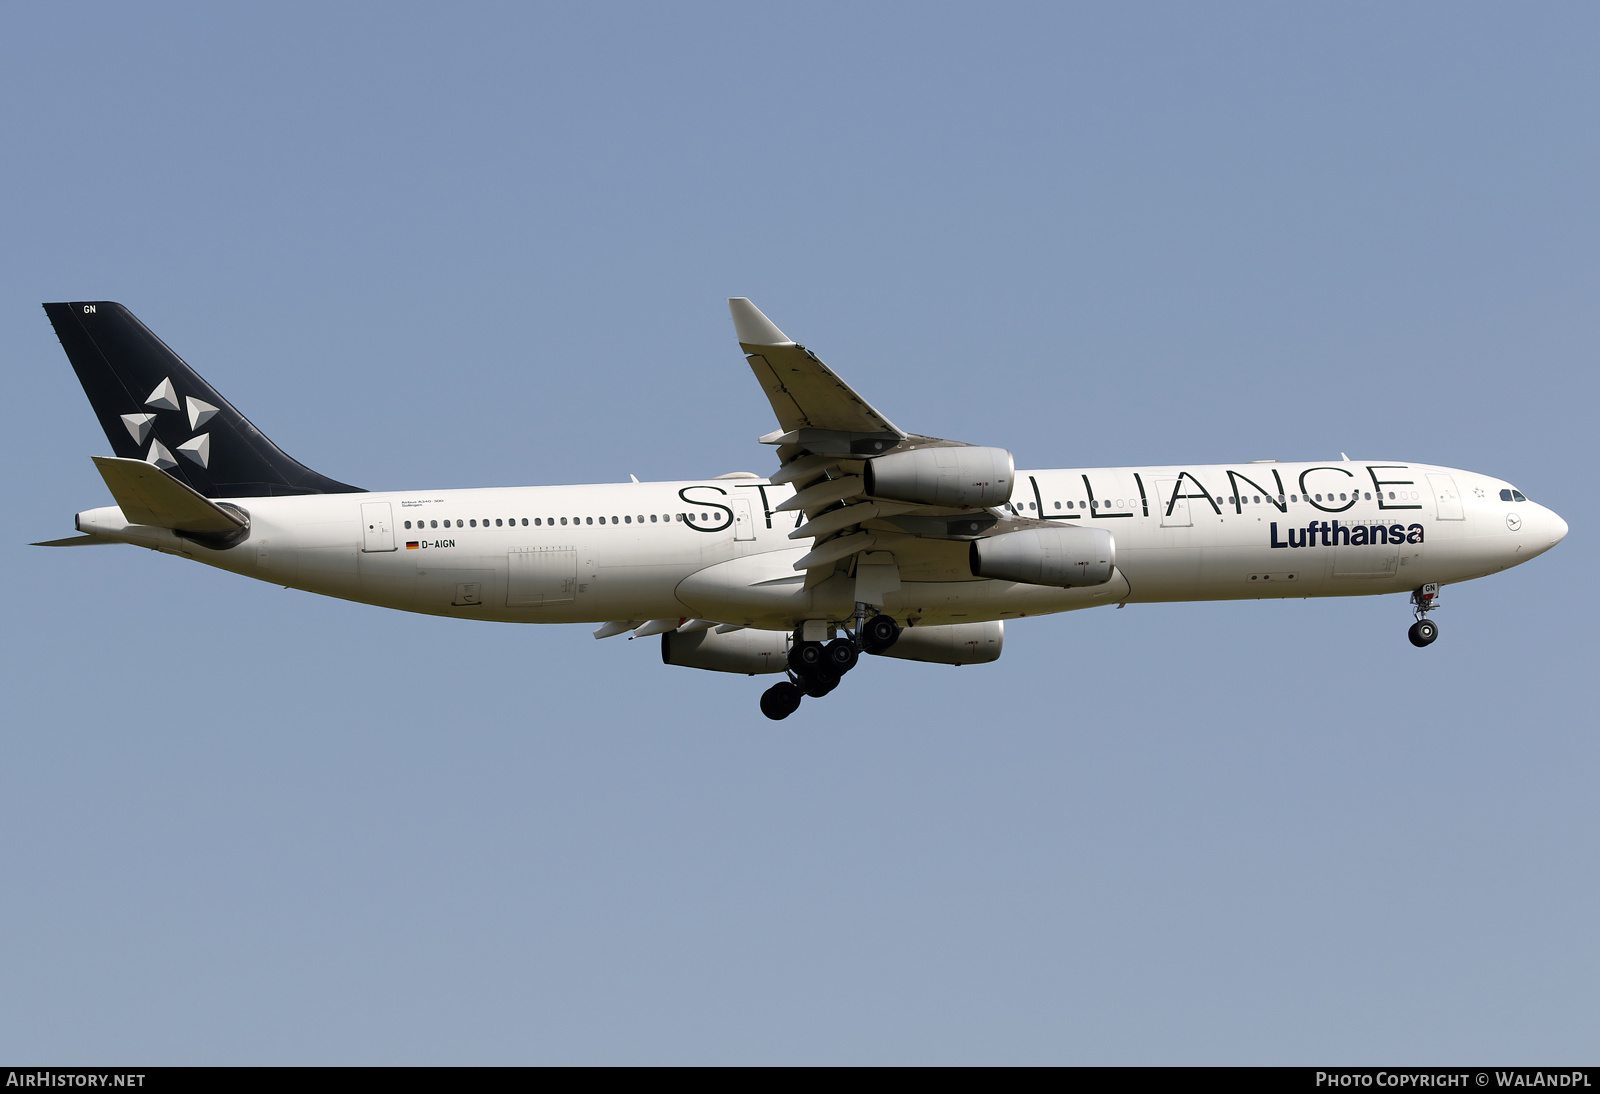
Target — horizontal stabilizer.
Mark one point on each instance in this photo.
(74, 541)
(148, 495)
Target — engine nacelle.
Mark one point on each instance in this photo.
(964, 478)
(1063, 557)
(748, 651)
(954, 644)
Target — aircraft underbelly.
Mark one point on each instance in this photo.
(765, 591)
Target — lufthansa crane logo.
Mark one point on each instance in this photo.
(1514, 522)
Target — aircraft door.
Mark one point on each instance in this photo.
(1179, 517)
(1446, 501)
(377, 527)
(743, 526)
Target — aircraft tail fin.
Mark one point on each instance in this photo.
(155, 408)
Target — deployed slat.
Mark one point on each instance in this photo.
(834, 550)
(824, 493)
(835, 520)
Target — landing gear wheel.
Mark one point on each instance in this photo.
(1423, 632)
(841, 655)
(806, 656)
(819, 681)
(780, 700)
(879, 633)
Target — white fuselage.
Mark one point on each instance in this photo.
(714, 549)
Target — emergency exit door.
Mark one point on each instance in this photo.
(377, 529)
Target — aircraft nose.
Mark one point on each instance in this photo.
(1558, 527)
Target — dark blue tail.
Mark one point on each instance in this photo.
(156, 408)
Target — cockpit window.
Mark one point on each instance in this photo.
(1505, 495)
(1518, 495)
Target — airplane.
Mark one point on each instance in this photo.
(867, 539)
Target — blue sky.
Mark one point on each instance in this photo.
(463, 245)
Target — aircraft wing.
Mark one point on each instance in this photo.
(827, 433)
(804, 392)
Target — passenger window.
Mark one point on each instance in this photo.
(474, 524)
(524, 522)
(1294, 497)
(613, 520)
(408, 524)
(589, 519)
(563, 520)
(627, 520)
(652, 518)
(1058, 505)
(1517, 494)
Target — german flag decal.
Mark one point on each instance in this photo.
(412, 545)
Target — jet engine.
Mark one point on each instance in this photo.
(964, 478)
(953, 644)
(1064, 557)
(747, 651)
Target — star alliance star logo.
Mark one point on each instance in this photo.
(196, 449)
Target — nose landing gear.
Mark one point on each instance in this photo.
(815, 668)
(1424, 630)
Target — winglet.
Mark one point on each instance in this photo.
(753, 328)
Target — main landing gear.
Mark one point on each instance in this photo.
(1423, 601)
(815, 668)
